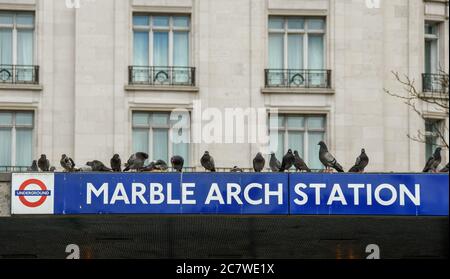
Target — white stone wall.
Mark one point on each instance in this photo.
(84, 109)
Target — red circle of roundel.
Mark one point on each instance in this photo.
(36, 203)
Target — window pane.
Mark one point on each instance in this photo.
(296, 23)
(182, 149)
(6, 118)
(5, 147)
(431, 56)
(277, 143)
(140, 140)
(6, 19)
(276, 51)
(276, 121)
(140, 20)
(25, 19)
(141, 48)
(315, 48)
(296, 122)
(160, 119)
(316, 122)
(24, 118)
(181, 21)
(295, 51)
(181, 49)
(276, 23)
(161, 21)
(161, 144)
(296, 141)
(24, 145)
(5, 52)
(316, 24)
(25, 49)
(431, 29)
(161, 48)
(313, 150)
(140, 119)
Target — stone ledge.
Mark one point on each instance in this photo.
(148, 88)
(326, 91)
(31, 87)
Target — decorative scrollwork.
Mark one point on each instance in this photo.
(5, 75)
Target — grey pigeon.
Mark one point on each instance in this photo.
(274, 163)
(44, 163)
(33, 167)
(116, 163)
(445, 169)
(361, 162)
(98, 166)
(207, 161)
(299, 163)
(259, 162)
(136, 161)
(177, 163)
(236, 169)
(327, 159)
(434, 161)
(67, 163)
(52, 169)
(288, 161)
(161, 165)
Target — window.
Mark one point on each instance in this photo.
(298, 132)
(432, 129)
(161, 47)
(16, 137)
(17, 47)
(297, 43)
(152, 134)
(432, 47)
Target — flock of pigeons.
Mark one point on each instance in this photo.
(292, 159)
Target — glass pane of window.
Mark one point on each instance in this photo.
(6, 19)
(5, 52)
(431, 56)
(181, 49)
(5, 147)
(25, 19)
(276, 23)
(161, 144)
(141, 20)
(277, 143)
(316, 122)
(276, 121)
(295, 122)
(431, 29)
(313, 150)
(276, 51)
(140, 51)
(160, 119)
(161, 21)
(6, 118)
(182, 149)
(25, 50)
(24, 119)
(295, 51)
(316, 24)
(296, 23)
(315, 55)
(161, 48)
(296, 141)
(140, 140)
(24, 147)
(181, 21)
(140, 119)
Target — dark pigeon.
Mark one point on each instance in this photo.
(236, 169)
(161, 165)
(67, 163)
(44, 163)
(207, 161)
(177, 163)
(274, 163)
(52, 169)
(259, 162)
(361, 162)
(116, 163)
(445, 169)
(136, 161)
(288, 161)
(34, 167)
(327, 159)
(434, 161)
(300, 164)
(98, 166)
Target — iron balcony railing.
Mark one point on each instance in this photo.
(19, 74)
(161, 76)
(435, 83)
(7, 169)
(297, 78)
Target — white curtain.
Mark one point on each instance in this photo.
(25, 54)
(181, 56)
(6, 46)
(161, 49)
(140, 140)
(313, 149)
(315, 59)
(140, 56)
(295, 51)
(5, 146)
(160, 144)
(276, 51)
(24, 145)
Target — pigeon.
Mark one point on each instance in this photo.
(52, 169)
(288, 161)
(445, 169)
(327, 159)
(434, 161)
(85, 169)
(44, 163)
(299, 163)
(236, 169)
(259, 162)
(177, 163)
(136, 161)
(98, 166)
(34, 167)
(361, 162)
(67, 163)
(274, 163)
(160, 165)
(207, 161)
(116, 163)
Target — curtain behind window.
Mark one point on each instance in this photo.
(160, 144)
(315, 59)
(24, 143)
(181, 56)
(140, 58)
(5, 147)
(25, 54)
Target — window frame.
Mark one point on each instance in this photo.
(437, 124)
